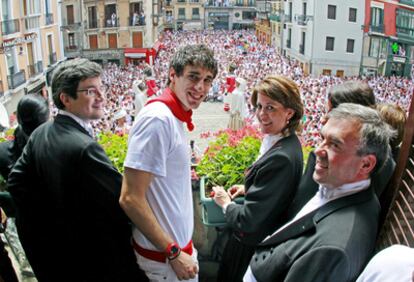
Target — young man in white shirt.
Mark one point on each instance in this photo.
(156, 192)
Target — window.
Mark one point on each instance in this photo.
(352, 15)
(350, 45)
(111, 17)
(69, 14)
(304, 8)
(377, 47)
(112, 41)
(330, 43)
(326, 72)
(331, 12)
(93, 41)
(196, 13)
(93, 21)
(377, 16)
(405, 22)
(181, 13)
(71, 40)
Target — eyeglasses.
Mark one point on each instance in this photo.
(93, 91)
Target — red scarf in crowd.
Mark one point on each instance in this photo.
(170, 99)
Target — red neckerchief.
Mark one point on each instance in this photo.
(170, 99)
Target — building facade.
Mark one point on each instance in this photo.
(187, 14)
(109, 31)
(325, 36)
(388, 44)
(230, 14)
(29, 46)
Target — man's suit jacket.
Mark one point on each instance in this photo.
(68, 215)
(270, 184)
(332, 243)
(308, 187)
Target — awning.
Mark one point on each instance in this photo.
(135, 53)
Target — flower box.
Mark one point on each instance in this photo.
(211, 213)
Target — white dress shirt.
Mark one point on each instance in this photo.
(84, 123)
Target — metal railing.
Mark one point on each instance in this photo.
(288, 18)
(31, 22)
(137, 21)
(109, 22)
(195, 17)
(17, 79)
(10, 26)
(35, 69)
(407, 2)
(93, 23)
(301, 19)
(52, 58)
(181, 17)
(71, 48)
(377, 28)
(49, 18)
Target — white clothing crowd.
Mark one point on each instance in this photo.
(254, 61)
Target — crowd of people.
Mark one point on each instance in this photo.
(253, 61)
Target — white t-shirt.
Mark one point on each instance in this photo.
(158, 144)
(395, 263)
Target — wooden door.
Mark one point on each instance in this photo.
(93, 41)
(112, 40)
(137, 40)
(69, 14)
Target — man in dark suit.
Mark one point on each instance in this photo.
(66, 190)
(356, 92)
(333, 235)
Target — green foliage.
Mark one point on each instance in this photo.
(306, 151)
(115, 147)
(227, 157)
(8, 135)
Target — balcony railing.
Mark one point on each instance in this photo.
(302, 49)
(301, 19)
(407, 2)
(67, 23)
(288, 18)
(274, 17)
(35, 69)
(17, 79)
(181, 17)
(10, 26)
(195, 17)
(52, 58)
(407, 33)
(71, 48)
(31, 22)
(288, 43)
(93, 24)
(136, 21)
(377, 28)
(109, 22)
(48, 18)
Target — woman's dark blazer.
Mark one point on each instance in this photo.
(271, 183)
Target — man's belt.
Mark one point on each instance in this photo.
(159, 256)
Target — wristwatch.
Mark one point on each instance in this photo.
(172, 251)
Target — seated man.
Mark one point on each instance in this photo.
(333, 235)
(356, 92)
